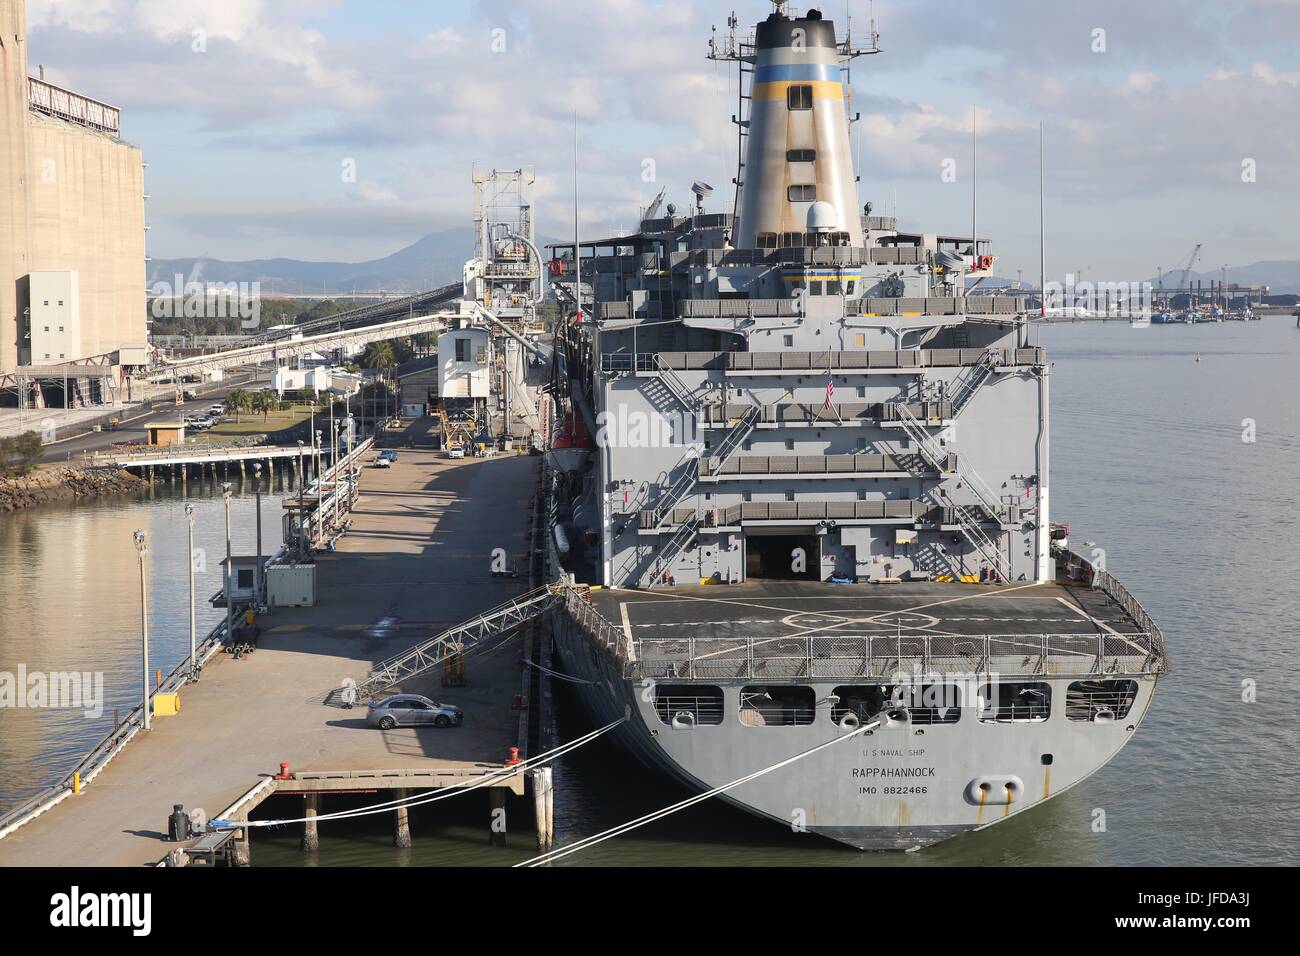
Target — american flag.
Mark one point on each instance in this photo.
(830, 394)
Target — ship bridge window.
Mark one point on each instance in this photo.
(925, 703)
(803, 192)
(1100, 700)
(799, 97)
(766, 240)
(462, 350)
(775, 706)
(688, 705)
(791, 240)
(1014, 702)
(801, 155)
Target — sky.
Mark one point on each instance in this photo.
(345, 130)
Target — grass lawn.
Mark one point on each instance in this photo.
(251, 423)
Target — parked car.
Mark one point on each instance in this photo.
(409, 710)
(455, 451)
(382, 462)
(217, 409)
(388, 454)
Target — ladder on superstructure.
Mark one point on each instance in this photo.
(969, 519)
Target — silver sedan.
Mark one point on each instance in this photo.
(409, 710)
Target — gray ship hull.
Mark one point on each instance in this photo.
(904, 786)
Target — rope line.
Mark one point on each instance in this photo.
(622, 828)
(431, 796)
(548, 671)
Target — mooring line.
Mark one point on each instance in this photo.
(622, 828)
(548, 671)
(430, 796)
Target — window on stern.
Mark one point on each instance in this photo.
(801, 155)
(799, 97)
(802, 192)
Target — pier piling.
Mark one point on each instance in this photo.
(544, 807)
(310, 831)
(402, 833)
(497, 828)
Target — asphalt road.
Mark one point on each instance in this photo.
(135, 430)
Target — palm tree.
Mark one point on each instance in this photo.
(263, 401)
(380, 355)
(237, 401)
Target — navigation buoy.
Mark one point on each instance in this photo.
(1198, 358)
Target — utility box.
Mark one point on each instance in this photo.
(291, 585)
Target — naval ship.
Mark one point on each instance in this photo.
(800, 479)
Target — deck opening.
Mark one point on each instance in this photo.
(777, 706)
(782, 557)
(925, 703)
(688, 705)
(1014, 702)
(1100, 700)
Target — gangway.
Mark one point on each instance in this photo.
(417, 660)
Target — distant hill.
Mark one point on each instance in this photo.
(1282, 276)
(435, 260)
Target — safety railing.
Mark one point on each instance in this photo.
(885, 656)
(111, 744)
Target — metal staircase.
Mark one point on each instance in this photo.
(675, 387)
(423, 657)
(670, 497)
(736, 437)
(970, 382)
(969, 516)
(670, 552)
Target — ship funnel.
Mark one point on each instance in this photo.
(797, 152)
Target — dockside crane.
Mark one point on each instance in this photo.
(1187, 270)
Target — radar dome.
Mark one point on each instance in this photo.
(822, 217)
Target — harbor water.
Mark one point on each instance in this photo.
(1174, 449)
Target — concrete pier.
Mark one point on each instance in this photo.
(418, 557)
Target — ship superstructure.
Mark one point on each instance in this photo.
(817, 494)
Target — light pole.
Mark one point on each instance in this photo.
(194, 661)
(257, 494)
(141, 549)
(230, 620)
(302, 512)
(320, 493)
(351, 432)
(337, 426)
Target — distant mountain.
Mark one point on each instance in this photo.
(1282, 276)
(437, 259)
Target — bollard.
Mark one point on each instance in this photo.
(76, 781)
(284, 773)
(513, 759)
